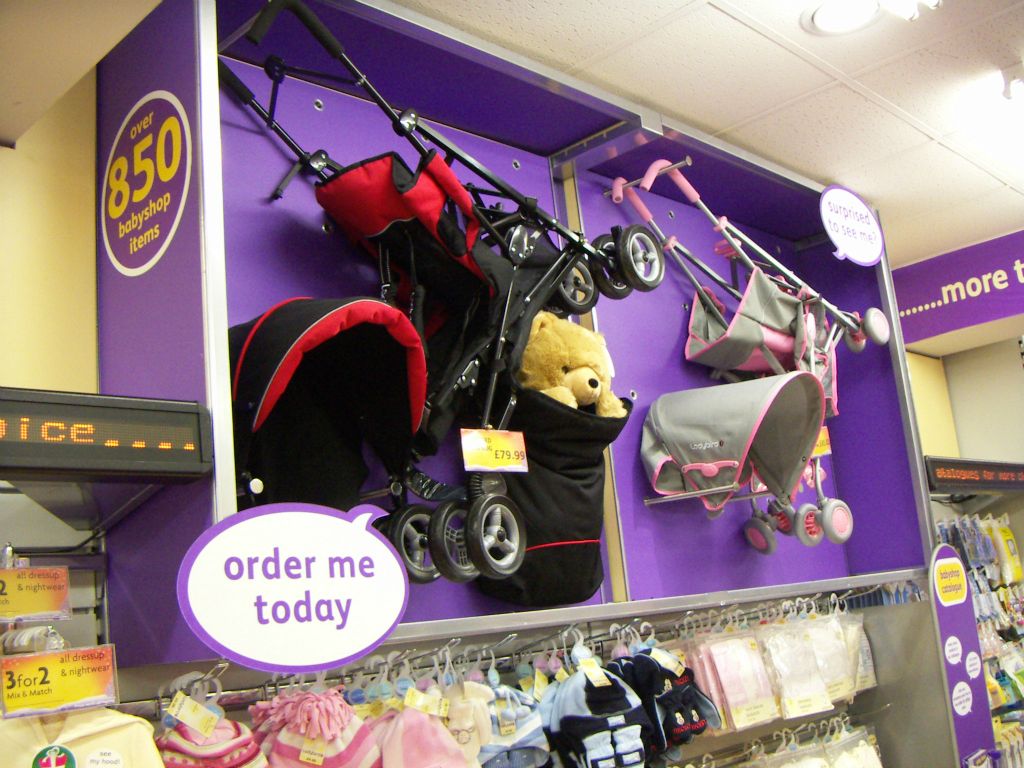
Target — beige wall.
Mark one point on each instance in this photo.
(986, 390)
(48, 249)
(932, 406)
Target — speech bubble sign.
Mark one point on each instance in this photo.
(293, 587)
(852, 226)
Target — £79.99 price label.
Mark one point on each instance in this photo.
(145, 183)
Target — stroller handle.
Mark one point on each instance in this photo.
(267, 16)
(619, 190)
(240, 89)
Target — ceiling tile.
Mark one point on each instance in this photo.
(956, 84)
(908, 185)
(706, 69)
(887, 37)
(960, 223)
(558, 34)
(997, 145)
(827, 133)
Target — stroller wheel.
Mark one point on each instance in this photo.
(577, 293)
(407, 531)
(760, 535)
(806, 526)
(607, 277)
(876, 326)
(837, 520)
(784, 516)
(855, 342)
(446, 538)
(640, 258)
(496, 536)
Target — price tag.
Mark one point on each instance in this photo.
(594, 673)
(57, 681)
(506, 719)
(561, 675)
(493, 450)
(526, 684)
(824, 445)
(34, 594)
(426, 702)
(313, 751)
(187, 710)
(540, 684)
(668, 661)
(362, 710)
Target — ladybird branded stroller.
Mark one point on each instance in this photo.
(470, 276)
(778, 324)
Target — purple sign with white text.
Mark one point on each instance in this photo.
(973, 285)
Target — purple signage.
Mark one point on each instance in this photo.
(962, 288)
(961, 651)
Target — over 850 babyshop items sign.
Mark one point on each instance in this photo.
(293, 587)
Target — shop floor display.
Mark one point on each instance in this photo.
(564, 148)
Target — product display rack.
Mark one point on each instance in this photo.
(248, 253)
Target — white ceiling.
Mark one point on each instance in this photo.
(911, 115)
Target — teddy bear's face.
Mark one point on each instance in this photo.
(584, 383)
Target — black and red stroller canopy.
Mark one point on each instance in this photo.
(312, 381)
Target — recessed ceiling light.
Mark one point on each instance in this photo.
(838, 17)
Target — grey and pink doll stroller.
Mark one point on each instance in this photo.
(762, 324)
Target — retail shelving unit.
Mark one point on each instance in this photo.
(164, 334)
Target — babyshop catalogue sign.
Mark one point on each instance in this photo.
(293, 587)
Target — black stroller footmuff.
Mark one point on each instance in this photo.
(305, 401)
(562, 500)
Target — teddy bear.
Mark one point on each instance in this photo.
(570, 364)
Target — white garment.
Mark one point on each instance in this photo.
(85, 733)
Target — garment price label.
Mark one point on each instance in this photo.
(540, 684)
(506, 719)
(34, 594)
(313, 751)
(57, 681)
(562, 675)
(493, 450)
(432, 704)
(668, 660)
(594, 673)
(187, 710)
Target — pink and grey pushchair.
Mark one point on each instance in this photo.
(767, 324)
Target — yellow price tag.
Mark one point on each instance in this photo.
(432, 704)
(313, 751)
(493, 450)
(45, 683)
(824, 445)
(34, 594)
(526, 684)
(561, 675)
(540, 684)
(668, 661)
(193, 714)
(594, 673)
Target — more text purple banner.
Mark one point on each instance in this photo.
(973, 285)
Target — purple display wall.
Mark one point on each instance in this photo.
(150, 307)
(279, 249)
(673, 548)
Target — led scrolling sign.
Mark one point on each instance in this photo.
(77, 436)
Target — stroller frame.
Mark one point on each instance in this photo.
(488, 535)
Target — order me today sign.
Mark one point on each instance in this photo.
(293, 587)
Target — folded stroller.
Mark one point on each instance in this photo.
(708, 442)
(778, 322)
(470, 275)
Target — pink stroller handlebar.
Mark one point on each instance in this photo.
(653, 171)
(619, 190)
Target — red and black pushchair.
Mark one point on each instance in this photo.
(469, 266)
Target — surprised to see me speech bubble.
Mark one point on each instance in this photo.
(852, 226)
